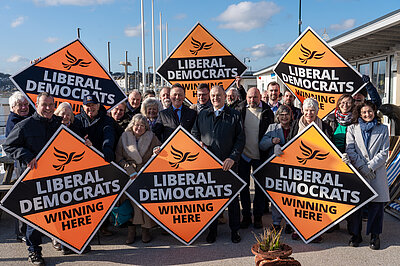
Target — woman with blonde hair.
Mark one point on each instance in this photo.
(64, 110)
(134, 149)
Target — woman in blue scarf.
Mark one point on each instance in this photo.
(367, 148)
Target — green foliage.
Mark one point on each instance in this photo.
(269, 240)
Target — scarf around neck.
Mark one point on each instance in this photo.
(366, 129)
(343, 119)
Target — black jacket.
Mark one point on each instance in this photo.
(167, 123)
(130, 111)
(222, 135)
(12, 120)
(29, 137)
(100, 131)
(267, 118)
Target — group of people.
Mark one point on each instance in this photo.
(237, 126)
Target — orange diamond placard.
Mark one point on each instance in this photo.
(70, 193)
(201, 58)
(311, 68)
(69, 74)
(310, 184)
(184, 188)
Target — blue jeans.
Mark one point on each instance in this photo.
(33, 239)
(276, 215)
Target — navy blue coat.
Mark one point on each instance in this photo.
(100, 131)
(12, 120)
(222, 135)
(167, 123)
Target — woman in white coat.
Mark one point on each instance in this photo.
(367, 148)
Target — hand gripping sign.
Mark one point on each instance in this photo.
(201, 58)
(311, 186)
(70, 193)
(69, 74)
(311, 68)
(184, 188)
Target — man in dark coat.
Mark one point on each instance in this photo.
(19, 110)
(219, 128)
(177, 114)
(121, 118)
(97, 126)
(133, 104)
(24, 143)
(256, 117)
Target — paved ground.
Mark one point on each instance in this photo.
(166, 250)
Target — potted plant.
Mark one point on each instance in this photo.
(270, 251)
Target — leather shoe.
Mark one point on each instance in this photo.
(246, 222)
(355, 241)
(211, 237)
(235, 237)
(21, 238)
(375, 243)
(56, 245)
(258, 223)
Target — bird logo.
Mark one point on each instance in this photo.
(73, 61)
(181, 157)
(309, 54)
(66, 158)
(200, 46)
(310, 154)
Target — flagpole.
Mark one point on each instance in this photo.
(143, 51)
(153, 44)
(161, 51)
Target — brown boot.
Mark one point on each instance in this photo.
(146, 237)
(131, 234)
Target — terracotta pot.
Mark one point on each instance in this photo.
(276, 257)
(284, 252)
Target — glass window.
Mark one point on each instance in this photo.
(363, 69)
(378, 76)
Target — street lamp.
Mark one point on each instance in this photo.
(126, 64)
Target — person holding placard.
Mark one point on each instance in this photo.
(367, 149)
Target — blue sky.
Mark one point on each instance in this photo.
(259, 30)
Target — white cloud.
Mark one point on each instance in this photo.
(259, 51)
(16, 59)
(180, 16)
(51, 39)
(246, 16)
(345, 25)
(72, 2)
(18, 21)
(134, 31)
